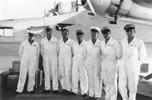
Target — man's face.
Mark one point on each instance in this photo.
(31, 38)
(130, 32)
(106, 34)
(65, 34)
(49, 33)
(80, 37)
(94, 34)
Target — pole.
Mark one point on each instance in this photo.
(0, 86)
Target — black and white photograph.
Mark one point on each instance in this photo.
(75, 49)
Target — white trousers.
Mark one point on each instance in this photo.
(50, 72)
(28, 65)
(65, 73)
(93, 71)
(109, 75)
(128, 79)
(79, 73)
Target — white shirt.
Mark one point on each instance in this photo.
(65, 49)
(94, 50)
(111, 50)
(27, 49)
(49, 47)
(135, 51)
(80, 50)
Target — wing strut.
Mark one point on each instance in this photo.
(116, 13)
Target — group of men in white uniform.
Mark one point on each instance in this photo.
(93, 63)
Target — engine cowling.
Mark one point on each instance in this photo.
(64, 7)
(134, 10)
(126, 8)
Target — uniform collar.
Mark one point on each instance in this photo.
(66, 41)
(133, 40)
(51, 40)
(108, 41)
(29, 42)
(81, 42)
(95, 43)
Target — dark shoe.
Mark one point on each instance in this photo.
(18, 93)
(98, 98)
(85, 96)
(31, 92)
(91, 97)
(72, 93)
(46, 91)
(66, 92)
(56, 91)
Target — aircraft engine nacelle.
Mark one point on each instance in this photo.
(58, 27)
(131, 9)
(126, 8)
(64, 7)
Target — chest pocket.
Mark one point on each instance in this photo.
(133, 49)
(133, 45)
(110, 45)
(67, 46)
(109, 48)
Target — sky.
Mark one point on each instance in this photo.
(10, 9)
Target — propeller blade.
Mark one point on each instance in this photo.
(91, 7)
(90, 13)
(77, 8)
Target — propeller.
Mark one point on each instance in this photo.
(88, 5)
(91, 7)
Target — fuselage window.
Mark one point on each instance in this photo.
(6, 31)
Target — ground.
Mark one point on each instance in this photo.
(9, 94)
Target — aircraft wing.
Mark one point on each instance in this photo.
(42, 21)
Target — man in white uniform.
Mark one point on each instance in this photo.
(111, 52)
(79, 72)
(133, 54)
(49, 52)
(93, 63)
(65, 61)
(29, 51)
